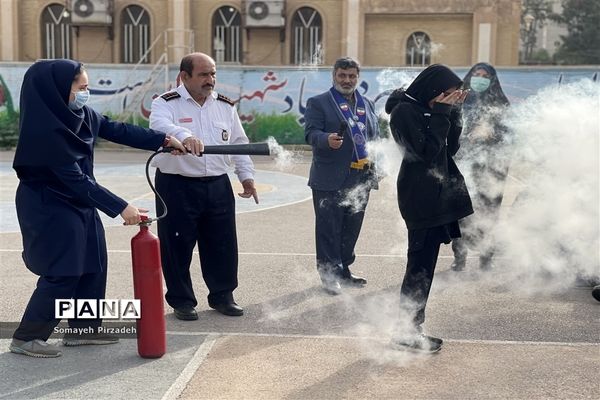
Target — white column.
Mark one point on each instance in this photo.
(8, 13)
(485, 42)
(352, 28)
(180, 39)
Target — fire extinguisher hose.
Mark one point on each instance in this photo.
(258, 149)
(158, 196)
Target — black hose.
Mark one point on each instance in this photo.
(250, 149)
(158, 196)
(261, 149)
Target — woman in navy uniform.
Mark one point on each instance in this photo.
(58, 197)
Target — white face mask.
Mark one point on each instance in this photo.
(480, 83)
(81, 98)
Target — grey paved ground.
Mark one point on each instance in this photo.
(294, 341)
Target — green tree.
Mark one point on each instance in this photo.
(534, 14)
(581, 44)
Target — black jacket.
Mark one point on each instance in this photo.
(431, 189)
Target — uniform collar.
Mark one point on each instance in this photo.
(181, 89)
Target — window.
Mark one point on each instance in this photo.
(227, 45)
(57, 32)
(418, 49)
(307, 36)
(135, 34)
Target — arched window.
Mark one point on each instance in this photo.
(135, 34)
(56, 32)
(418, 49)
(227, 44)
(307, 36)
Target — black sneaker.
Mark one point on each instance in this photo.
(331, 284)
(418, 343)
(485, 263)
(458, 264)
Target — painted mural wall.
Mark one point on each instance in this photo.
(271, 101)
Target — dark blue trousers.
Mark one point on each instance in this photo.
(200, 211)
(339, 216)
(38, 321)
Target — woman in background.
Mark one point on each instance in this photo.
(58, 197)
(484, 160)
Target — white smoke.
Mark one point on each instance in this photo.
(551, 234)
(436, 49)
(284, 159)
(545, 238)
(390, 79)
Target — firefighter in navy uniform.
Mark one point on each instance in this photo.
(197, 190)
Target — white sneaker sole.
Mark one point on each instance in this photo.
(18, 350)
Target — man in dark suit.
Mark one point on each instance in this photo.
(339, 123)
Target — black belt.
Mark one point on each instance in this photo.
(195, 178)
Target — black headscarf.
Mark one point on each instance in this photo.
(492, 96)
(48, 128)
(432, 81)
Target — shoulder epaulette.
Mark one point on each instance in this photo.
(170, 96)
(225, 99)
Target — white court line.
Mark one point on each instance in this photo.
(37, 385)
(190, 369)
(380, 338)
(517, 180)
(250, 253)
(275, 206)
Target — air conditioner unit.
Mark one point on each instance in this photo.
(265, 13)
(91, 12)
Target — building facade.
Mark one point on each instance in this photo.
(263, 32)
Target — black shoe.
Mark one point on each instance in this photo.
(458, 264)
(596, 292)
(418, 343)
(332, 287)
(186, 313)
(230, 308)
(353, 280)
(485, 263)
(331, 281)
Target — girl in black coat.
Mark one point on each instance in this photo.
(484, 155)
(432, 194)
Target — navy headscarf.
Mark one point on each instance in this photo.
(432, 81)
(49, 131)
(492, 96)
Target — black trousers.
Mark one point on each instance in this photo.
(38, 321)
(200, 211)
(423, 251)
(339, 216)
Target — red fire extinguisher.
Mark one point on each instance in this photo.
(147, 285)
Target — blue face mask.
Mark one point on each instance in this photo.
(479, 83)
(81, 98)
